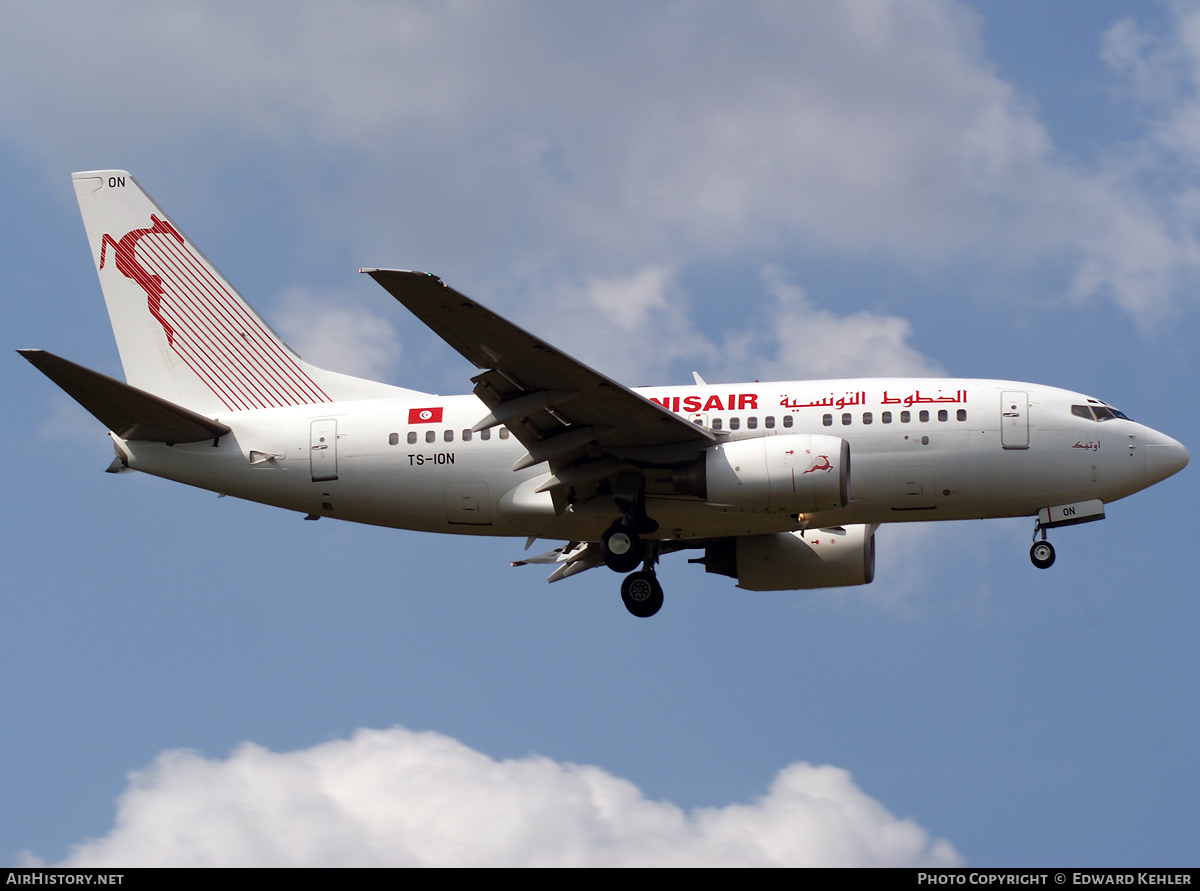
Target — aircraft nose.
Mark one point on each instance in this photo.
(1164, 457)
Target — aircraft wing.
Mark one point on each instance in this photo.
(554, 404)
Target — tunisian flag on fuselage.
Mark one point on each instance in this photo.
(425, 415)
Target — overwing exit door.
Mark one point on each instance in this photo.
(323, 450)
(1014, 420)
(912, 488)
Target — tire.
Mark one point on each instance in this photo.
(642, 594)
(1042, 554)
(621, 548)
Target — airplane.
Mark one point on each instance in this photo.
(756, 476)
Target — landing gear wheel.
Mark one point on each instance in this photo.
(621, 547)
(642, 594)
(1042, 554)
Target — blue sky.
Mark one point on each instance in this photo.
(753, 191)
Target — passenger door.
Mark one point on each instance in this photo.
(323, 450)
(1014, 420)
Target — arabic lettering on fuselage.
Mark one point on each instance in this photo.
(744, 401)
(916, 398)
(1089, 445)
(858, 397)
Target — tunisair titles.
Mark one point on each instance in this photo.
(749, 401)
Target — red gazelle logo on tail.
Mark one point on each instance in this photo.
(130, 268)
(207, 323)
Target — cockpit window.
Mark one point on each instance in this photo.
(1097, 412)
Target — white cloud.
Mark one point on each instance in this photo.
(632, 328)
(1143, 248)
(528, 142)
(336, 334)
(642, 329)
(816, 343)
(396, 798)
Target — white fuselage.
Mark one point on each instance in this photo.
(928, 449)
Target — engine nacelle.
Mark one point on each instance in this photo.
(823, 558)
(797, 473)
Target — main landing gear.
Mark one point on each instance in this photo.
(641, 593)
(1042, 552)
(623, 549)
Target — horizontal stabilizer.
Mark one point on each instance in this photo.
(126, 411)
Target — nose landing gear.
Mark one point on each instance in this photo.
(1042, 552)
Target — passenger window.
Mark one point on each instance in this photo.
(962, 414)
(827, 420)
(466, 436)
(735, 423)
(485, 434)
(504, 433)
(717, 424)
(448, 436)
(1082, 411)
(412, 436)
(430, 436)
(867, 419)
(787, 421)
(943, 415)
(751, 423)
(393, 439)
(846, 419)
(769, 422)
(886, 417)
(924, 416)
(905, 417)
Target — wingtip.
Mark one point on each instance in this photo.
(371, 270)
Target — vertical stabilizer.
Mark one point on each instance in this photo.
(183, 332)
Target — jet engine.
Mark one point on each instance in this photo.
(797, 473)
(786, 561)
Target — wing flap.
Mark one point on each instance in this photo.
(130, 413)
